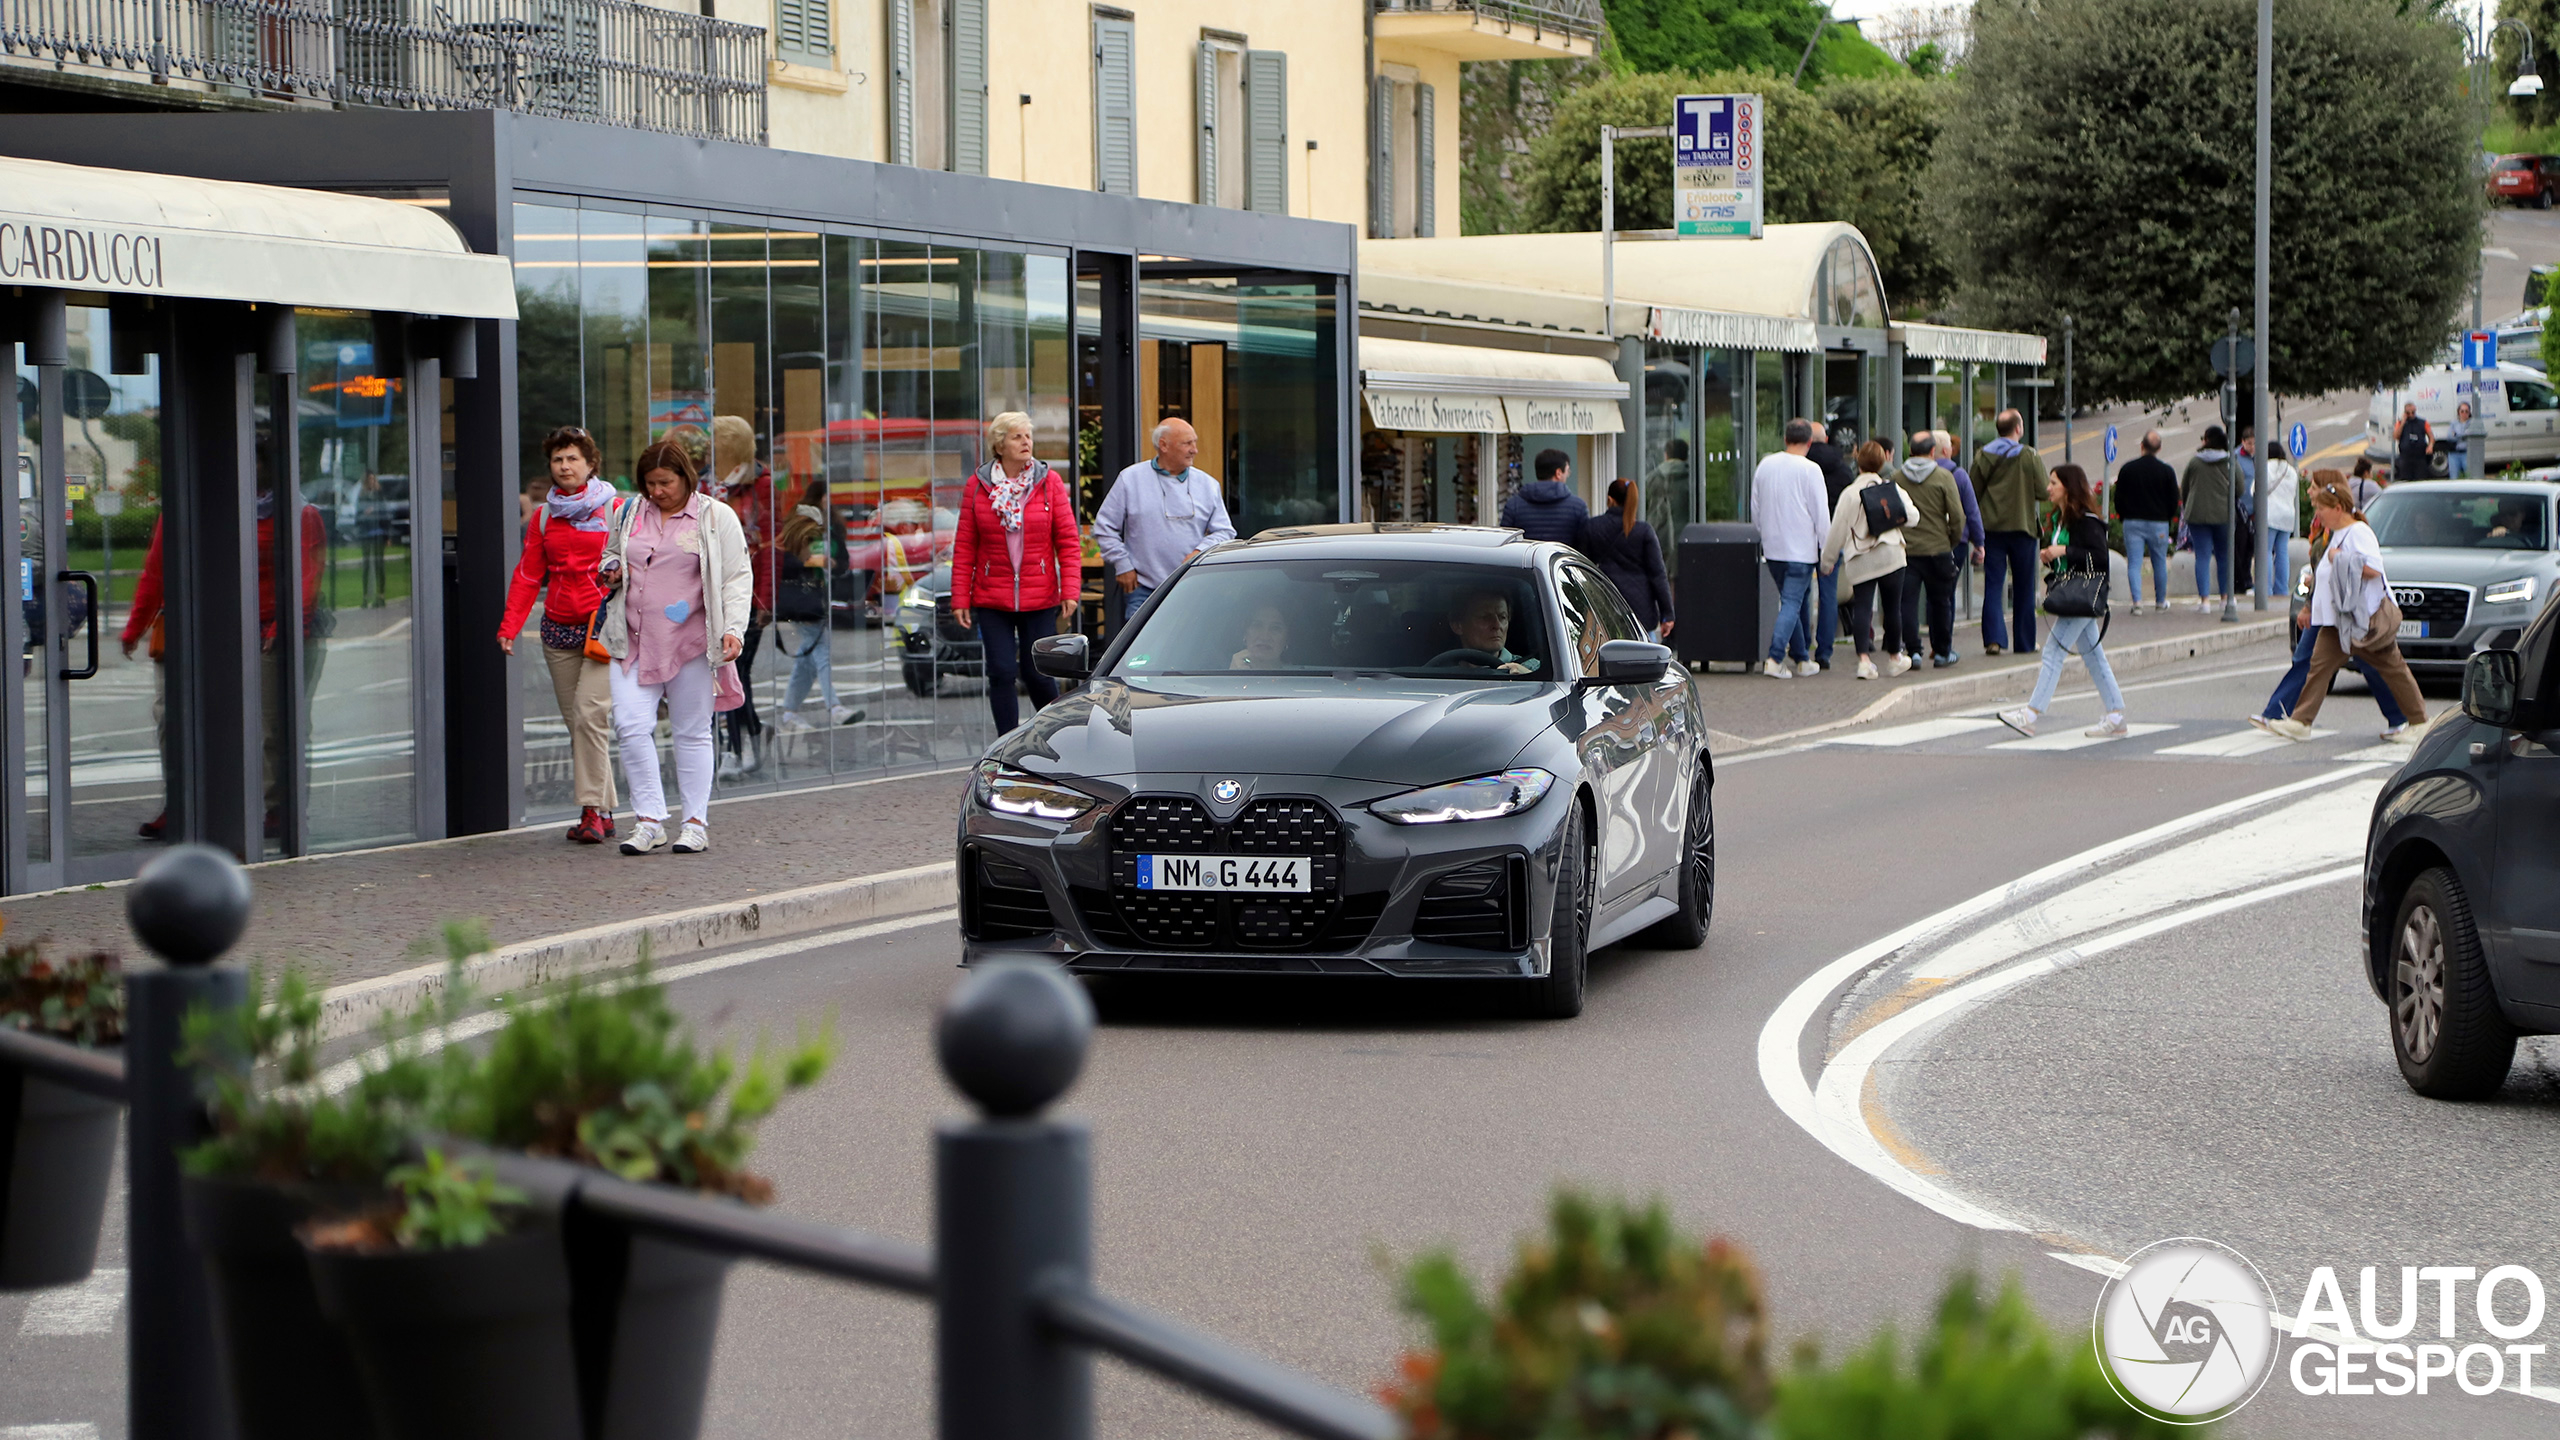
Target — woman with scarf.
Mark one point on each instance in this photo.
(1017, 563)
(562, 544)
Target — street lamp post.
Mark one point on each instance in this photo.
(2070, 416)
(2528, 83)
(2259, 412)
(2229, 563)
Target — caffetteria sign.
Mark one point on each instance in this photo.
(80, 258)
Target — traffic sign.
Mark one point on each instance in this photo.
(2222, 356)
(2480, 351)
(2297, 441)
(2111, 445)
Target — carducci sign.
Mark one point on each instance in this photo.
(70, 255)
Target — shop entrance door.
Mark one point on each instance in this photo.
(91, 797)
(1844, 399)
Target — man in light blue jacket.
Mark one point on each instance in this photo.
(1159, 514)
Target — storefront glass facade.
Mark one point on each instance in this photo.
(849, 373)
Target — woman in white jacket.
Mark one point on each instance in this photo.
(2284, 516)
(2352, 607)
(681, 589)
(1868, 564)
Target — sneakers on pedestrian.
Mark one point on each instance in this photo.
(1776, 670)
(2137, 607)
(728, 765)
(1900, 664)
(1991, 649)
(646, 835)
(2289, 728)
(2020, 719)
(846, 715)
(2261, 722)
(1943, 661)
(1866, 667)
(693, 839)
(747, 757)
(2109, 727)
(2400, 735)
(590, 827)
(792, 722)
(1807, 669)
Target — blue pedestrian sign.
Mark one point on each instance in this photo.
(2297, 441)
(2480, 351)
(2111, 445)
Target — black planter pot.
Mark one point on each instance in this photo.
(291, 1374)
(457, 1343)
(648, 1313)
(57, 1150)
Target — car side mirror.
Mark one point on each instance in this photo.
(2490, 680)
(1067, 657)
(1631, 662)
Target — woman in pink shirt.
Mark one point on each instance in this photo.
(680, 589)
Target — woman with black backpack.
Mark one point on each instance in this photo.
(1865, 546)
(1017, 564)
(2076, 597)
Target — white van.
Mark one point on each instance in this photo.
(2518, 408)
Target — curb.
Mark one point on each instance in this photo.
(352, 1008)
(1930, 696)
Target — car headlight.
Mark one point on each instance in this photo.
(1008, 791)
(1481, 798)
(2508, 592)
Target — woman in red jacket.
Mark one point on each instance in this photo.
(1017, 564)
(561, 548)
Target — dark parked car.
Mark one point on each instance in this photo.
(2524, 179)
(2461, 918)
(1400, 750)
(931, 641)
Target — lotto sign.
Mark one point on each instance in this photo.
(1715, 165)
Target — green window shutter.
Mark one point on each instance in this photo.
(1266, 131)
(1115, 105)
(1209, 122)
(804, 27)
(1425, 156)
(969, 86)
(902, 82)
(1382, 158)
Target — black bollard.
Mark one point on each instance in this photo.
(1012, 1208)
(188, 907)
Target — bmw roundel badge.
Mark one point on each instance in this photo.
(1227, 791)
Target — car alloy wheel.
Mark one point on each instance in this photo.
(2452, 1041)
(1557, 995)
(1686, 929)
(2418, 983)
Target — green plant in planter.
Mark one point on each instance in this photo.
(1980, 1369)
(79, 999)
(606, 1073)
(447, 1206)
(1612, 1324)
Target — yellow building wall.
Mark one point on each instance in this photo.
(1439, 70)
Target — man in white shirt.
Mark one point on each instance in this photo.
(1787, 503)
(1159, 514)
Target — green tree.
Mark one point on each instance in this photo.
(1763, 35)
(1856, 150)
(2098, 160)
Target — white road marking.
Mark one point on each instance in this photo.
(2245, 743)
(1917, 732)
(346, 1072)
(75, 1430)
(88, 1308)
(2343, 417)
(2078, 740)
(2500, 251)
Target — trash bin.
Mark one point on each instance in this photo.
(1725, 598)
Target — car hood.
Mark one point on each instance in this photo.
(2429, 565)
(1394, 731)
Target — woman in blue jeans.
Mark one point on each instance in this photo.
(2081, 538)
(2288, 691)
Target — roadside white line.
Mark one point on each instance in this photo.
(74, 1430)
(88, 1308)
(346, 1072)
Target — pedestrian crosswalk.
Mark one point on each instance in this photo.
(2188, 739)
(2079, 739)
(2239, 746)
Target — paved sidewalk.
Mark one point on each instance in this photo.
(372, 913)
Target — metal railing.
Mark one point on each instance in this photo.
(1016, 1317)
(1579, 19)
(616, 62)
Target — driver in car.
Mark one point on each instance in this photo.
(1482, 621)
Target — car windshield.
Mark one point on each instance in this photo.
(2434, 516)
(1411, 617)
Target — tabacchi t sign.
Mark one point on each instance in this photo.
(1715, 165)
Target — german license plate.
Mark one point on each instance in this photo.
(2417, 629)
(1265, 874)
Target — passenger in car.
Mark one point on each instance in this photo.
(1482, 621)
(1266, 640)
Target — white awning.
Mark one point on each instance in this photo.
(76, 227)
(1471, 389)
(1981, 347)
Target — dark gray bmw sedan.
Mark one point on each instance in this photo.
(1394, 750)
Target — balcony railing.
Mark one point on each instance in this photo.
(616, 62)
(1577, 19)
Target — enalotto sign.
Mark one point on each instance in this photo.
(72, 255)
(1715, 165)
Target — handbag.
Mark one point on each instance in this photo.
(800, 594)
(595, 649)
(2077, 594)
(1885, 508)
(727, 693)
(2384, 631)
